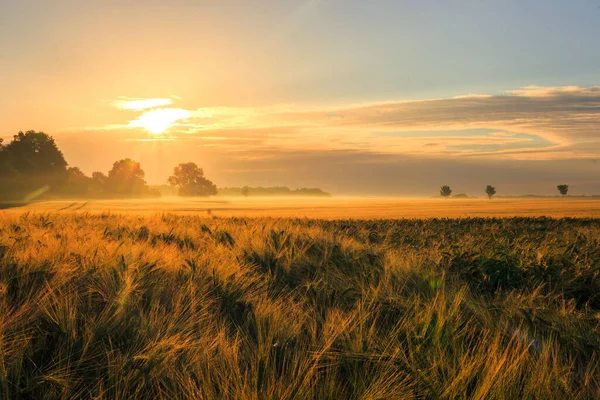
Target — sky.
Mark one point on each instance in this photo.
(355, 97)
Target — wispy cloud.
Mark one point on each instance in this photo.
(528, 123)
(126, 103)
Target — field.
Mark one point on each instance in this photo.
(334, 208)
(143, 301)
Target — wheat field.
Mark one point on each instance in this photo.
(167, 306)
(328, 208)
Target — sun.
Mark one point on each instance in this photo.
(159, 120)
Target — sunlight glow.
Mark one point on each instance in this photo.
(159, 120)
(140, 104)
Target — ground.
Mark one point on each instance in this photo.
(159, 299)
(335, 208)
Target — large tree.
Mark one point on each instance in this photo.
(126, 179)
(5, 172)
(33, 164)
(35, 153)
(189, 179)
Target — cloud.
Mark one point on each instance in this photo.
(550, 91)
(556, 113)
(126, 103)
(560, 116)
(531, 122)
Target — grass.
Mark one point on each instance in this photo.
(330, 208)
(169, 307)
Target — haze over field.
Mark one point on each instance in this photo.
(355, 97)
(326, 208)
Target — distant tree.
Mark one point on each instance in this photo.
(126, 179)
(272, 191)
(490, 191)
(245, 191)
(190, 181)
(77, 183)
(167, 190)
(33, 163)
(563, 189)
(99, 178)
(445, 191)
(98, 184)
(154, 191)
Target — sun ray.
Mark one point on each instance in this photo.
(159, 120)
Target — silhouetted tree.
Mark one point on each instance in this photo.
(245, 191)
(154, 191)
(490, 191)
(5, 172)
(77, 184)
(190, 181)
(99, 178)
(445, 191)
(98, 184)
(563, 189)
(126, 179)
(33, 164)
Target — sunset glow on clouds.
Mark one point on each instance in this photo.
(358, 97)
(527, 123)
(140, 104)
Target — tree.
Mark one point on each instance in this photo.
(445, 191)
(99, 178)
(35, 153)
(126, 179)
(98, 184)
(189, 179)
(33, 164)
(245, 191)
(5, 172)
(563, 189)
(77, 184)
(490, 190)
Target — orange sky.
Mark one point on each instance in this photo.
(392, 98)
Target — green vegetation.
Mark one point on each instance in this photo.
(123, 306)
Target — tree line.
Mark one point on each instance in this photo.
(32, 166)
(271, 191)
(490, 191)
